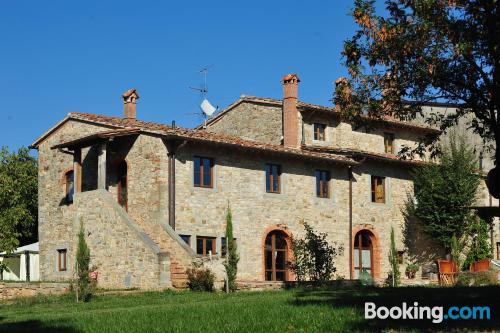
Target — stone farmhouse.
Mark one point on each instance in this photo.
(153, 198)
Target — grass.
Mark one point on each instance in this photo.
(296, 310)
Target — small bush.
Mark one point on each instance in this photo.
(365, 278)
(476, 279)
(200, 278)
(314, 257)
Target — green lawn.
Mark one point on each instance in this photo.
(297, 310)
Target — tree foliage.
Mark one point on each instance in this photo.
(314, 257)
(232, 257)
(18, 198)
(83, 266)
(444, 192)
(394, 275)
(424, 50)
(480, 247)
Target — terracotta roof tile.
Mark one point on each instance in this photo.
(303, 107)
(356, 154)
(201, 136)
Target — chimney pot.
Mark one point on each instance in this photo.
(290, 111)
(129, 103)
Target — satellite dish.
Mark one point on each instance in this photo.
(207, 108)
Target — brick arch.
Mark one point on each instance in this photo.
(62, 180)
(375, 240)
(289, 254)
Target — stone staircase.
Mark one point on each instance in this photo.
(109, 223)
(181, 255)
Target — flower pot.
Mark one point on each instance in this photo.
(410, 274)
(481, 265)
(447, 266)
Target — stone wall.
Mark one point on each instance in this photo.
(340, 134)
(251, 121)
(240, 181)
(55, 216)
(123, 254)
(27, 289)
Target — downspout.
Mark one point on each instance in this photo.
(172, 147)
(351, 268)
(171, 150)
(171, 188)
(351, 246)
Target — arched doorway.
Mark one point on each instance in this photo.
(276, 256)
(363, 253)
(121, 184)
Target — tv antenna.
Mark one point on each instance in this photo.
(207, 109)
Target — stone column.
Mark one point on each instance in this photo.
(77, 169)
(101, 167)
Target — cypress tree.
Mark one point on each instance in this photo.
(232, 257)
(83, 266)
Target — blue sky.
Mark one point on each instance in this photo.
(63, 56)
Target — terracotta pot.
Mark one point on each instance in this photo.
(481, 265)
(410, 274)
(447, 266)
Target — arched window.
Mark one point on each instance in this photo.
(121, 184)
(275, 256)
(363, 253)
(69, 178)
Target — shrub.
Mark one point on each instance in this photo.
(314, 257)
(444, 192)
(232, 257)
(200, 278)
(365, 278)
(468, 279)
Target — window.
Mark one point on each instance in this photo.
(203, 171)
(61, 260)
(223, 246)
(319, 132)
(276, 256)
(378, 189)
(389, 143)
(122, 184)
(70, 186)
(186, 239)
(205, 245)
(273, 181)
(322, 184)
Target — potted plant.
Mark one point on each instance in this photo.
(480, 265)
(478, 257)
(411, 270)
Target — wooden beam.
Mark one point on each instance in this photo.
(77, 169)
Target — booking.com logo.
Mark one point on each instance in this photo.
(436, 313)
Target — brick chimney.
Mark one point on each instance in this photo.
(290, 112)
(129, 99)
